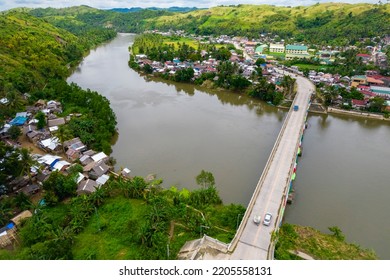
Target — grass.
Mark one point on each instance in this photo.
(276, 55)
(318, 245)
(303, 66)
(111, 231)
(190, 42)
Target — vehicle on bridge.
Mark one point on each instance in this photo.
(267, 219)
(257, 219)
(296, 107)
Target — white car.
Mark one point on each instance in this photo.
(257, 219)
(267, 219)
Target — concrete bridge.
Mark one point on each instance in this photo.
(255, 241)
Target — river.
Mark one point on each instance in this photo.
(176, 130)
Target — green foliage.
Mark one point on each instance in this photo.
(147, 69)
(265, 91)
(184, 75)
(14, 132)
(40, 116)
(74, 169)
(36, 57)
(205, 179)
(337, 233)
(259, 61)
(10, 165)
(339, 24)
(97, 124)
(377, 104)
(59, 187)
(293, 238)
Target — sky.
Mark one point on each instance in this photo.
(107, 4)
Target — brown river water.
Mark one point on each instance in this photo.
(176, 130)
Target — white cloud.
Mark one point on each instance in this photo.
(107, 4)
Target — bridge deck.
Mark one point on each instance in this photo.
(253, 241)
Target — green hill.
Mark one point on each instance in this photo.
(328, 23)
(36, 58)
(321, 23)
(32, 51)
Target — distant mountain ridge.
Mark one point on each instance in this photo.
(173, 9)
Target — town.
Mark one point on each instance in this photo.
(370, 89)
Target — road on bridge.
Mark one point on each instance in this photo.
(253, 241)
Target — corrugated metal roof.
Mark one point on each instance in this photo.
(296, 48)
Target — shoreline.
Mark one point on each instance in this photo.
(365, 115)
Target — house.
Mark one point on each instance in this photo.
(357, 104)
(52, 104)
(48, 159)
(125, 172)
(261, 49)
(50, 144)
(29, 128)
(102, 180)
(358, 80)
(19, 182)
(296, 49)
(372, 81)
(19, 119)
(4, 101)
(7, 235)
(276, 48)
(98, 170)
(75, 144)
(4, 130)
(40, 104)
(72, 155)
(363, 57)
(89, 153)
(99, 157)
(60, 165)
(79, 178)
(20, 217)
(86, 187)
(381, 91)
(30, 189)
(85, 159)
(56, 122)
(42, 177)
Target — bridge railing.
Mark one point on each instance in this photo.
(279, 218)
(255, 194)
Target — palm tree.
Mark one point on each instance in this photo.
(26, 162)
(97, 197)
(63, 134)
(15, 101)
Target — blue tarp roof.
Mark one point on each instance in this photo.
(18, 121)
(10, 226)
(54, 162)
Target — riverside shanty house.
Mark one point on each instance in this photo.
(74, 148)
(8, 232)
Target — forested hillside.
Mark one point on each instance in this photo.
(33, 51)
(337, 23)
(36, 58)
(328, 23)
(81, 18)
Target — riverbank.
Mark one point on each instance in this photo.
(357, 114)
(296, 242)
